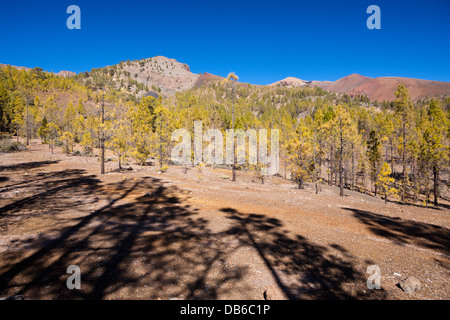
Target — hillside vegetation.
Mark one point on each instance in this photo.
(159, 74)
(397, 150)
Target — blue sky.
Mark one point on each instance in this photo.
(261, 41)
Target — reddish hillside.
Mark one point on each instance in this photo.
(384, 88)
(320, 84)
(344, 85)
(207, 78)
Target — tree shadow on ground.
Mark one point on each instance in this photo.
(404, 231)
(27, 165)
(300, 268)
(51, 192)
(30, 180)
(140, 242)
(139, 239)
(418, 204)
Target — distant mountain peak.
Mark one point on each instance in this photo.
(290, 82)
(383, 88)
(160, 75)
(356, 75)
(139, 77)
(64, 73)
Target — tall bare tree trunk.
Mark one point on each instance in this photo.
(160, 146)
(27, 127)
(414, 179)
(404, 162)
(435, 185)
(233, 178)
(330, 180)
(392, 156)
(341, 185)
(353, 169)
(102, 139)
(315, 169)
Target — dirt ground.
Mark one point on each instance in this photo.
(138, 234)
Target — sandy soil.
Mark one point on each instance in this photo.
(138, 234)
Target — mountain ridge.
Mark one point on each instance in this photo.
(168, 76)
(383, 88)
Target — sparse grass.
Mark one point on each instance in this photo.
(7, 145)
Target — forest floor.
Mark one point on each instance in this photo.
(138, 234)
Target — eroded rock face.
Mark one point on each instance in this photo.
(140, 77)
(158, 73)
(290, 82)
(66, 74)
(410, 284)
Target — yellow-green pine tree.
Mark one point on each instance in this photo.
(385, 182)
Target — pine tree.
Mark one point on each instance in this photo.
(67, 139)
(317, 128)
(53, 130)
(286, 129)
(362, 170)
(4, 108)
(164, 126)
(233, 78)
(402, 107)
(69, 117)
(374, 157)
(43, 130)
(142, 124)
(345, 132)
(434, 148)
(385, 182)
(18, 117)
(120, 140)
(87, 143)
(300, 159)
(329, 131)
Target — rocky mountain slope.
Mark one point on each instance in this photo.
(64, 73)
(164, 76)
(159, 74)
(290, 82)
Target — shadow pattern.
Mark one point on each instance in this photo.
(403, 231)
(27, 165)
(301, 269)
(146, 247)
(138, 239)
